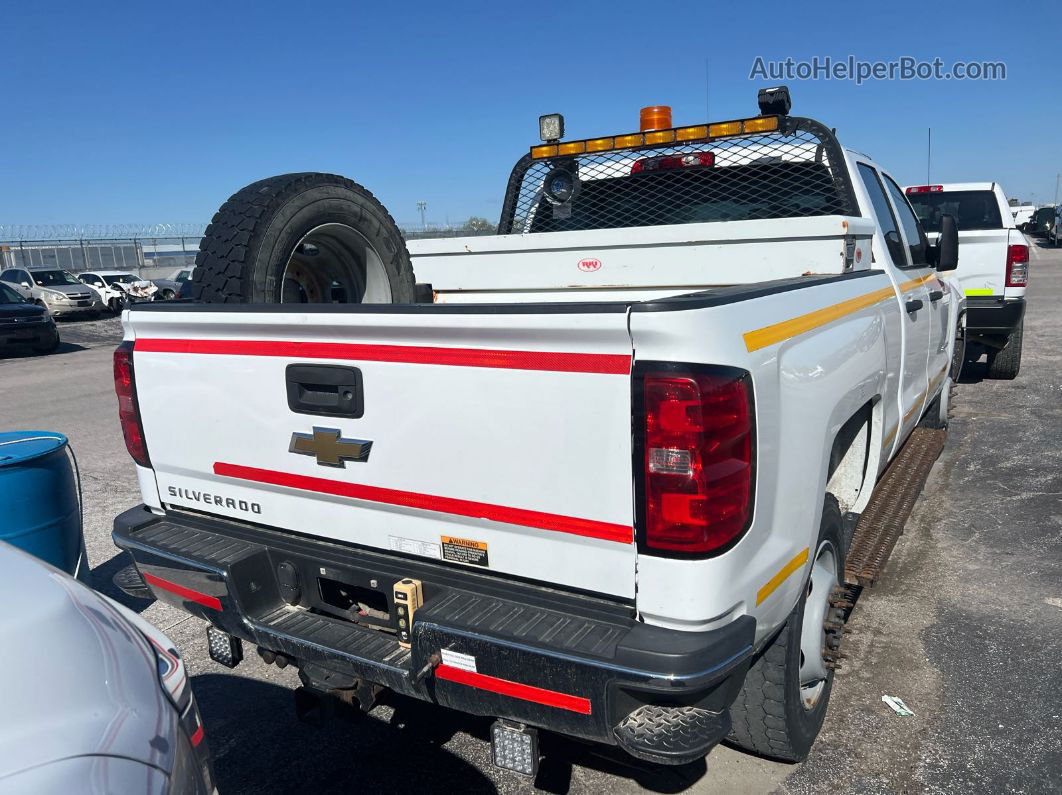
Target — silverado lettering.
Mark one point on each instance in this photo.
(214, 499)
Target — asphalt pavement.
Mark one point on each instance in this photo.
(965, 626)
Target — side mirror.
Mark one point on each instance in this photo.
(947, 255)
(26, 285)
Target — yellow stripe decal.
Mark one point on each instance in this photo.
(979, 291)
(793, 565)
(887, 441)
(769, 335)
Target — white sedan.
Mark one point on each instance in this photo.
(96, 700)
(119, 288)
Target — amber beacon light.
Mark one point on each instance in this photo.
(655, 117)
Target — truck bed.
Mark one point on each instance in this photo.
(500, 434)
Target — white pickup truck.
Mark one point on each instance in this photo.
(993, 266)
(596, 474)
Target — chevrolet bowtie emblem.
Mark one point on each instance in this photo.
(330, 450)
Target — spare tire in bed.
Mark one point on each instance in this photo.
(302, 238)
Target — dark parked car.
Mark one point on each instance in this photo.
(25, 324)
(171, 286)
(1041, 222)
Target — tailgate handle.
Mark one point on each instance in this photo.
(913, 306)
(326, 389)
(936, 295)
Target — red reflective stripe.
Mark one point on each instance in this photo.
(197, 737)
(185, 593)
(410, 499)
(551, 698)
(607, 363)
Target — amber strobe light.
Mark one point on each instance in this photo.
(128, 408)
(655, 117)
(698, 464)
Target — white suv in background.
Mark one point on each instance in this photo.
(993, 266)
(56, 290)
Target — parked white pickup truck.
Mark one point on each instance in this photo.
(993, 266)
(599, 478)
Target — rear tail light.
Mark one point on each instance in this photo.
(672, 161)
(1017, 265)
(698, 458)
(926, 189)
(128, 408)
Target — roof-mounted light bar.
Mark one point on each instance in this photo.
(700, 132)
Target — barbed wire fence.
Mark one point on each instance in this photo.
(149, 250)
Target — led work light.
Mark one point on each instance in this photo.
(551, 127)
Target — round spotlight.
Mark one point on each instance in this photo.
(559, 185)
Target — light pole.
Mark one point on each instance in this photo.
(1056, 188)
(422, 207)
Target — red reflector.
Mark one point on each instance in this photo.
(925, 189)
(128, 409)
(1017, 265)
(697, 459)
(672, 161)
(538, 695)
(197, 737)
(185, 593)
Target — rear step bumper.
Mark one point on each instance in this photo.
(569, 663)
(993, 315)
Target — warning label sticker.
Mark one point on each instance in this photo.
(456, 659)
(462, 550)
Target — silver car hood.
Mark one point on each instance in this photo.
(76, 677)
(79, 290)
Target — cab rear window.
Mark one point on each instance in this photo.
(696, 195)
(972, 209)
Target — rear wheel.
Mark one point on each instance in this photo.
(302, 238)
(783, 701)
(1005, 364)
(47, 347)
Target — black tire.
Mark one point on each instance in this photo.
(1004, 365)
(249, 250)
(768, 716)
(48, 347)
(167, 295)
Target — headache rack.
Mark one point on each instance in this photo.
(798, 171)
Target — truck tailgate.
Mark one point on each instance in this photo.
(499, 441)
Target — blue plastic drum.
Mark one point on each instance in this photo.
(39, 506)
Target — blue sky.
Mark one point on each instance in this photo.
(155, 113)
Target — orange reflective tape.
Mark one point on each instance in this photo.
(773, 583)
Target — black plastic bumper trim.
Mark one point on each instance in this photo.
(539, 639)
(993, 315)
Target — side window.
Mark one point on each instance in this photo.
(5, 276)
(23, 276)
(912, 230)
(886, 220)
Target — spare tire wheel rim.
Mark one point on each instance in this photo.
(813, 669)
(334, 263)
